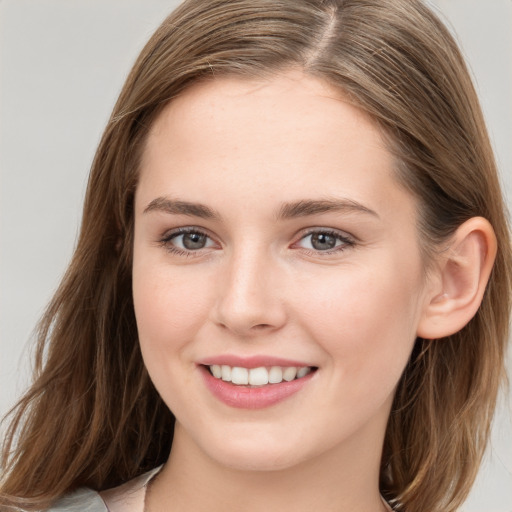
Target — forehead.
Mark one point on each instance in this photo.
(286, 136)
(290, 105)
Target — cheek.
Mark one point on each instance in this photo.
(169, 308)
(366, 320)
(169, 312)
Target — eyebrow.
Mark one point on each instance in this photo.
(177, 207)
(305, 207)
(301, 208)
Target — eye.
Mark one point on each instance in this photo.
(325, 241)
(191, 241)
(186, 240)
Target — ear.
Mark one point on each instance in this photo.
(458, 282)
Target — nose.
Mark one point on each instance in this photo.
(249, 300)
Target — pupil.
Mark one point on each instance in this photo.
(194, 241)
(323, 241)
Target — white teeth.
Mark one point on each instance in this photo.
(275, 375)
(302, 372)
(216, 371)
(258, 376)
(239, 375)
(289, 373)
(226, 372)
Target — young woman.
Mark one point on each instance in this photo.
(291, 289)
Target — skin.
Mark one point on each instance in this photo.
(260, 287)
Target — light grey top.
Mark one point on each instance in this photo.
(82, 499)
(128, 497)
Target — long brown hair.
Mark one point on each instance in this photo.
(92, 416)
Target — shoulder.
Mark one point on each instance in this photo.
(81, 500)
(128, 497)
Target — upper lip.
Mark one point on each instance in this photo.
(255, 361)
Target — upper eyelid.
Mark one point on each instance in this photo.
(170, 233)
(339, 232)
(168, 236)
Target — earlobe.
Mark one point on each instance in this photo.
(462, 274)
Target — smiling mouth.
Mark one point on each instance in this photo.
(258, 377)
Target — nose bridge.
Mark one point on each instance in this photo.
(248, 300)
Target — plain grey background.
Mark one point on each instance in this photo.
(62, 64)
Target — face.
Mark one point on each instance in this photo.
(277, 277)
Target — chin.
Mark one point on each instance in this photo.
(257, 453)
(256, 460)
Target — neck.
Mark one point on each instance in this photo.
(340, 480)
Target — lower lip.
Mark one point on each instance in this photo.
(244, 397)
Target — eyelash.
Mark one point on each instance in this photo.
(168, 237)
(346, 242)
